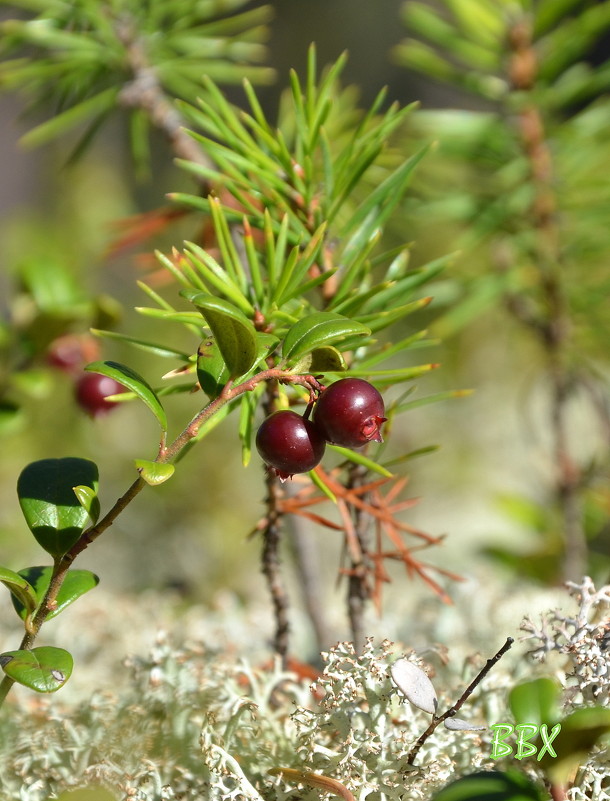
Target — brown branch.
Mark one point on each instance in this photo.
(358, 529)
(145, 92)
(551, 323)
(270, 555)
(436, 721)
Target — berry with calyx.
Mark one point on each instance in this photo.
(91, 391)
(350, 413)
(289, 444)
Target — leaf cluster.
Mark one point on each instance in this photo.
(82, 59)
(292, 273)
(531, 156)
(58, 498)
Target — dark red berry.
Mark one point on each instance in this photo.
(71, 352)
(289, 443)
(91, 391)
(350, 413)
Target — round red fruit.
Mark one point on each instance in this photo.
(91, 391)
(71, 352)
(289, 444)
(350, 413)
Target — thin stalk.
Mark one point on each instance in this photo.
(552, 324)
(453, 710)
(272, 537)
(358, 590)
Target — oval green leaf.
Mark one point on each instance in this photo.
(581, 731)
(326, 359)
(75, 584)
(233, 332)
(318, 330)
(49, 504)
(536, 701)
(45, 669)
(154, 473)
(88, 499)
(21, 590)
(134, 382)
(212, 371)
(492, 785)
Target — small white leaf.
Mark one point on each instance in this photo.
(457, 724)
(415, 685)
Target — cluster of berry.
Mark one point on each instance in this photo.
(70, 353)
(348, 412)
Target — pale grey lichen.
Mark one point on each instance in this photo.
(195, 722)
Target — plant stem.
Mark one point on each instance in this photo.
(552, 324)
(270, 556)
(145, 92)
(270, 561)
(167, 454)
(358, 592)
(436, 721)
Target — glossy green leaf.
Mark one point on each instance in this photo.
(21, 590)
(318, 330)
(134, 382)
(536, 701)
(492, 785)
(45, 669)
(87, 497)
(49, 504)
(326, 359)
(75, 584)
(233, 332)
(581, 732)
(154, 473)
(212, 371)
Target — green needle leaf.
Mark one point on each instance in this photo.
(134, 382)
(360, 458)
(44, 669)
